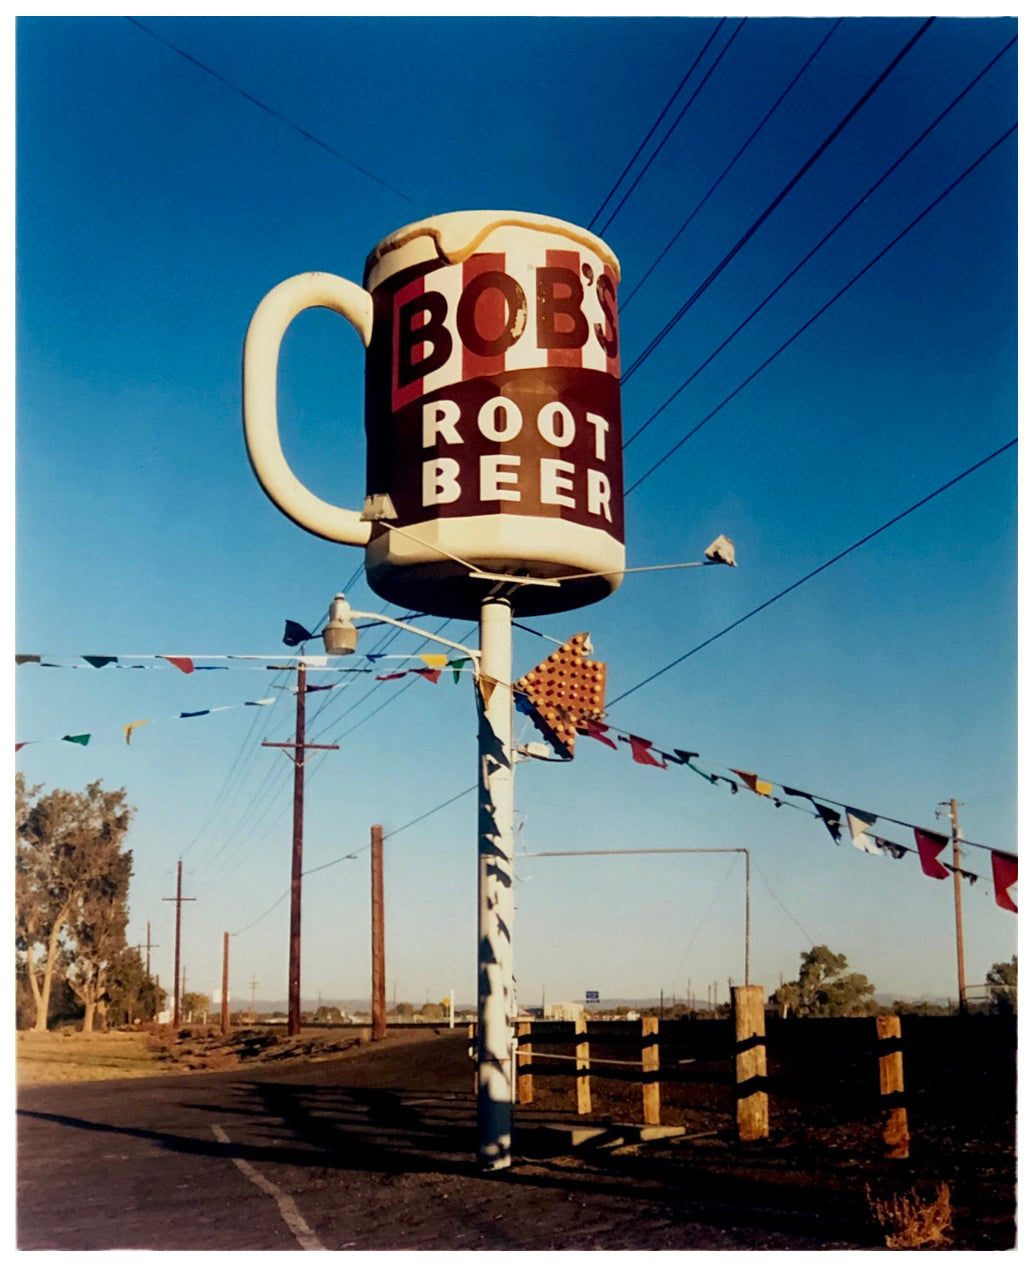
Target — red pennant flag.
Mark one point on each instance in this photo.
(596, 730)
(18, 746)
(1006, 873)
(641, 754)
(431, 674)
(181, 662)
(929, 845)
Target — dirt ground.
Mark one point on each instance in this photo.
(68, 1056)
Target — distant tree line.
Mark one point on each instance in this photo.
(72, 877)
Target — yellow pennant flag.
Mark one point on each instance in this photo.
(435, 661)
(127, 730)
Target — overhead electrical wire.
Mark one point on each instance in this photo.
(823, 309)
(309, 136)
(777, 201)
(634, 184)
(659, 119)
(627, 298)
(817, 570)
(814, 250)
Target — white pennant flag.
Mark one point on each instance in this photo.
(858, 822)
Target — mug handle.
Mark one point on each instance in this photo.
(261, 427)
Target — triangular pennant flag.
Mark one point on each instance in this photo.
(428, 674)
(390, 676)
(456, 665)
(184, 715)
(830, 817)
(258, 703)
(27, 659)
(312, 689)
(858, 821)
(127, 730)
(181, 662)
(755, 784)
(711, 778)
(791, 791)
(641, 754)
(888, 847)
(81, 739)
(18, 746)
(1006, 876)
(929, 845)
(596, 730)
(435, 661)
(486, 686)
(684, 757)
(98, 661)
(294, 634)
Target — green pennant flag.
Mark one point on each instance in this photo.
(456, 665)
(99, 661)
(82, 739)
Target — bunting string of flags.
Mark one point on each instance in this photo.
(83, 740)
(188, 663)
(928, 844)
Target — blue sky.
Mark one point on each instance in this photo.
(157, 204)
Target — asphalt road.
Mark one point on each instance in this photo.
(374, 1152)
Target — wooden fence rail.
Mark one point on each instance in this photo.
(743, 1042)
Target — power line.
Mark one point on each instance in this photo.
(814, 250)
(268, 109)
(817, 570)
(713, 66)
(824, 308)
(659, 119)
(778, 200)
(626, 299)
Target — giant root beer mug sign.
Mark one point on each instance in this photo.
(493, 423)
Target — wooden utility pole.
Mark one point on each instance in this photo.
(959, 934)
(378, 997)
(178, 899)
(299, 748)
(225, 982)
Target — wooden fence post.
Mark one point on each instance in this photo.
(584, 1089)
(650, 1070)
(895, 1138)
(751, 1063)
(525, 1080)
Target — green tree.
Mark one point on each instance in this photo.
(1003, 979)
(824, 987)
(193, 1005)
(132, 994)
(68, 864)
(98, 937)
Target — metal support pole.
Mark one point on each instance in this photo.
(496, 1005)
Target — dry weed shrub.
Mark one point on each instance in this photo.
(911, 1219)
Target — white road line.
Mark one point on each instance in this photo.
(289, 1211)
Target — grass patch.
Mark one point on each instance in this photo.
(913, 1219)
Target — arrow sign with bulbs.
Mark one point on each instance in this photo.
(563, 692)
